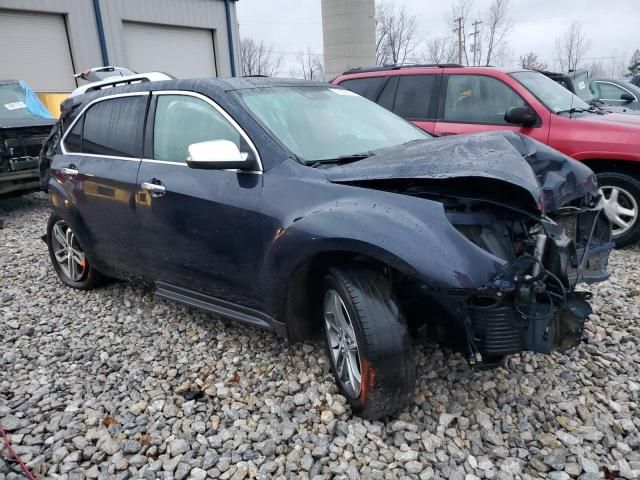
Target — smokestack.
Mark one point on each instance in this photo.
(349, 35)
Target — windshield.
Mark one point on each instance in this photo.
(324, 123)
(18, 102)
(583, 87)
(555, 97)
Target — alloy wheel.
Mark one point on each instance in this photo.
(67, 251)
(343, 345)
(621, 208)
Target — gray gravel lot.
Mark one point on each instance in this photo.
(100, 385)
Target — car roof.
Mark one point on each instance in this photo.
(200, 85)
(423, 68)
(8, 82)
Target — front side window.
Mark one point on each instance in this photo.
(554, 96)
(479, 99)
(609, 91)
(414, 96)
(182, 120)
(325, 123)
(114, 127)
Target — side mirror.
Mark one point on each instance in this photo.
(627, 97)
(521, 116)
(217, 155)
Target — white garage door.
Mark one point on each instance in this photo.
(179, 51)
(34, 47)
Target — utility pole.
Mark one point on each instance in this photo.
(475, 34)
(459, 31)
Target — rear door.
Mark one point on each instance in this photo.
(102, 153)
(200, 229)
(472, 103)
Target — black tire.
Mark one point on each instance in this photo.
(89, 278)
(385, 348)
(631, 186)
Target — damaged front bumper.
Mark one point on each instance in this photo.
(531, 303)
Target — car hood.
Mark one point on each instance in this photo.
(527, 167)
(6, 123)
(614, 118)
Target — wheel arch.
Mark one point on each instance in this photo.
(602, 165)
(298, 299)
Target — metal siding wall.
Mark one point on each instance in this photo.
(209, 14)
(81, 27)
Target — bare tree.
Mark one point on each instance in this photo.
(531, 61)
(497, 26)
(396, 34)
(310, 66)
(571, 47)
(257, 59)
(597, 69)
(440, 50)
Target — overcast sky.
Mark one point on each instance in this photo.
(613, 26)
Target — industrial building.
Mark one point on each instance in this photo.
(44, 42)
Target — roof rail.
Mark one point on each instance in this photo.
(398, 66)
(120, 81)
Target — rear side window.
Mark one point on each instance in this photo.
(414, 96)
(367, 87)
(114, 127)
(182, 120)
(73, 140)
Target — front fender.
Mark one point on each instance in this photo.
(411, 234)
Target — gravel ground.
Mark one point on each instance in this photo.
(115, 383)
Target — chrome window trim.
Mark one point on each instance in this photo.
(221, 111)
(81, 114)
(618, 86)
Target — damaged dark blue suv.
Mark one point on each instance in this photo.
(303, 207)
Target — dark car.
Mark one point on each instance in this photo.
(300, 207)
(585, 86)
(635, 80)
(24, 124)
(617, 92)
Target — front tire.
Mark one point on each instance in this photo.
(622, 200)
(68, 258)
(368, 342)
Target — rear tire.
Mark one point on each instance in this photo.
(68, 258)
(371, 322)
(622, 202)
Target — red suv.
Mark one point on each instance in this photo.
(451, 99)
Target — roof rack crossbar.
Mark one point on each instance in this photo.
(398, 66)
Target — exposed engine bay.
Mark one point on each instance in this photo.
(533, 303)
(535, 211)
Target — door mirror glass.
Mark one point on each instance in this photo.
(521, 116)
(217, 155)
(627, 97)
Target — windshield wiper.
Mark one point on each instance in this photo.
(570, 111)
(354, 157)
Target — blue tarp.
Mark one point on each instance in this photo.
(34, 105)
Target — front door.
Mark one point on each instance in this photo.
(200, 229)
(100, 163)
(477, 103)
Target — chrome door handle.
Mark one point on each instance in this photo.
(153, 188)
(72, 172)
